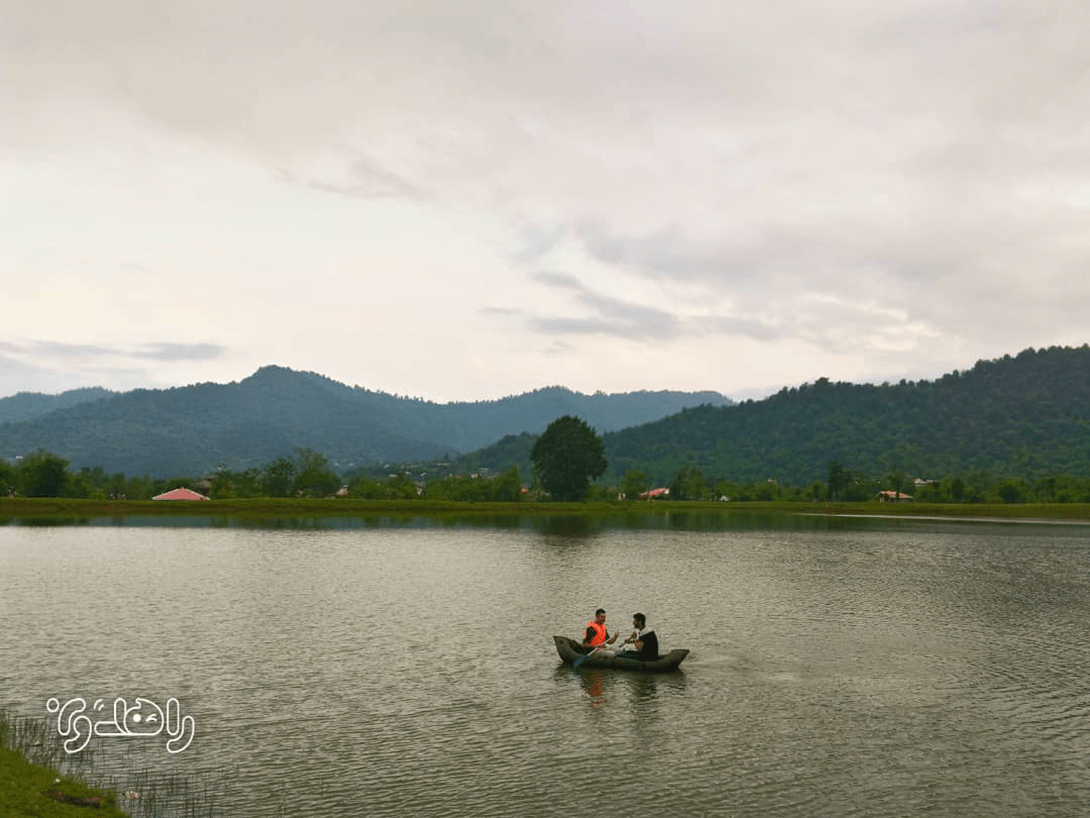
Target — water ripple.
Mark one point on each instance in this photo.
(904, 670)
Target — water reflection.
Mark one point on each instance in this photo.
(45, 522)
(563, 524)
(659, 517)
(604, 685)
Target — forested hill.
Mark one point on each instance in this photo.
(193, 429)
(30, 405)
(1026, 416)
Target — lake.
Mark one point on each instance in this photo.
(404, 666)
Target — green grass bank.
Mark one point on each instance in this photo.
(31, 790)
(30, 781)
(37, 778)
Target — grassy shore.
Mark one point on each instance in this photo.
(30, 790)
(272, 508)
(37, 778)
(30, 781)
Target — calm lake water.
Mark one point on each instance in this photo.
(381, 667)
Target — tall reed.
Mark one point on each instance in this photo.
(141, 792)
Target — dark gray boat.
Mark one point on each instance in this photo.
(570, 650)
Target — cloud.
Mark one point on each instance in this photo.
(179, 352)
(354, 175)
(50, 366)
(854, 185)
(17, 376)
(53, 349)
(604, 314)
(161, 351)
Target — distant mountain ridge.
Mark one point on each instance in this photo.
(30, 405)
(193, 429)
(1026, 416)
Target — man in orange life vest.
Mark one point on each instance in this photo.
(597, 636)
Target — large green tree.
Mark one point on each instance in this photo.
(567, 456)
(634, 483)
(7, 478)
(278, 478)
(43, 474)
(688, 484)
(314, 477)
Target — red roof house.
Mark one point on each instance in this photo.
(893, 497)
(180, 494)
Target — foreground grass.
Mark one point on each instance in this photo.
(25, 791)
(20, 507)
(30, 783)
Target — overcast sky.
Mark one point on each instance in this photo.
(466, 200)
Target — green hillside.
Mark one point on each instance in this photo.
(195, 429)
(1026, 416)
(30, 405)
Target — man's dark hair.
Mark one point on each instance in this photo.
(640, 619)
(600, 610)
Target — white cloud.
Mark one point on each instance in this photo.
(469, 200)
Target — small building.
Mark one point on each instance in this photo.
(893, 497)
(180, 494)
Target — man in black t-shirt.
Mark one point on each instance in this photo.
(644, 639)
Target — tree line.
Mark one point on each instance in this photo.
(568, 460)
(307, 474)
(849, 486)
(44, 474)
(568, 455)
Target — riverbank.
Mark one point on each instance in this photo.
(38, 779)
(14, 508)
(30, 790)
(34, 786)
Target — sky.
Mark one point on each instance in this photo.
(462, 201)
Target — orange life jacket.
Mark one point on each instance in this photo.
(599, 637)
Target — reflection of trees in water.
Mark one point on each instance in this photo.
(566, 525)
(45, 522)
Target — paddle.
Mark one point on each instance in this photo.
(580, 659)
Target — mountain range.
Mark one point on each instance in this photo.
(192, 430)
(31, 405)
(1025, 416)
